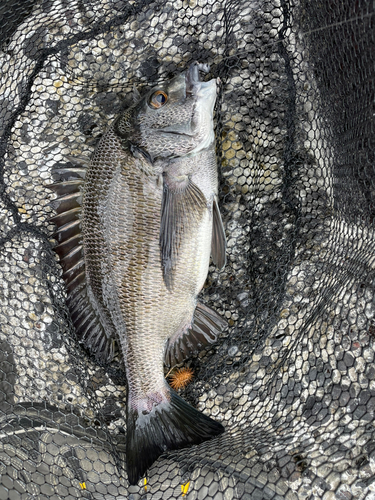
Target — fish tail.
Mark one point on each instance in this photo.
(170, 425)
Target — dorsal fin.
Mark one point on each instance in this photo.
(86, 320)
(66, 187)
(82, 161)
(70, 173)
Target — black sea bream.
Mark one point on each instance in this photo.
(135, 233)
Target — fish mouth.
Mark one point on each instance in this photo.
(193, 83)
(204, 93)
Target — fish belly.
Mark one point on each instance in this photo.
(122, 252)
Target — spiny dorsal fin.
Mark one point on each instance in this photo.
(67, 202)
(65, 217)
(83, 161)
(66, 187)
(66, 246)
(70, 173)
(67, 231)
(69, 247)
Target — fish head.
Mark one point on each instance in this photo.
(173, 119)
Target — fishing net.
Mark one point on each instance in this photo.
(292, 379)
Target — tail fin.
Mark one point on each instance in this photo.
(169, 426)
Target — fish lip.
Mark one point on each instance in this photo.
(166, 130)
(193, 83)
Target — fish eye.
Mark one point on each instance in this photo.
(158, 99)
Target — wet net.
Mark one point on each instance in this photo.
(292, 379)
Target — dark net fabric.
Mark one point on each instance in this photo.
(292, 379)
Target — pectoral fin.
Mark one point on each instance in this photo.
(182, 208)
(219, 243)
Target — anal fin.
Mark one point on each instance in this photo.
(206, 327)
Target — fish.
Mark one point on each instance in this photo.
(136, 227)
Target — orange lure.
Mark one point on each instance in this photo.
(181, 378)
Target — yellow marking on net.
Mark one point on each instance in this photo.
(184, 488)
(83, 485)
(145, 483)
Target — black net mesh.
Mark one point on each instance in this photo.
(293, 378)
